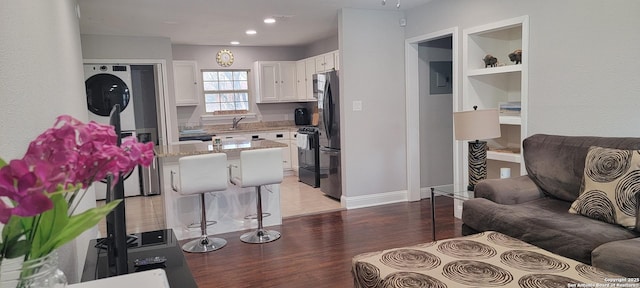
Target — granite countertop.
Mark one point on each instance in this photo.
(232, 147)
(206, 132)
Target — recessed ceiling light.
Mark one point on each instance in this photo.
(269, 20)
(251, 32)
(235, 43)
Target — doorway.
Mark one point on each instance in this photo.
(432, 89)
(436, 119)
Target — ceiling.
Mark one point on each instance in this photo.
(217, 22)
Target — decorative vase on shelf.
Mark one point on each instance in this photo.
(41, 272)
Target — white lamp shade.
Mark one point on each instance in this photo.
(476, 124)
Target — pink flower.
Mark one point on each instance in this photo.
(70, 153)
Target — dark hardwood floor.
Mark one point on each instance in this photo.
(316, 250)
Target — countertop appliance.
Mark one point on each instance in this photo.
(301, 116)
(308, 156)
(327, 91)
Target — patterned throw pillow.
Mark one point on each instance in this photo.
(609, 186)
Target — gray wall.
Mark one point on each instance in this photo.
(583, 71)
(41, 77)
(322, 46)
(372, 71)
(244, 57)
(436, 119)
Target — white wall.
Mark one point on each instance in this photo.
(244, 57)
(372, 71)
(436, 119)
(41, 77)
(583, 71)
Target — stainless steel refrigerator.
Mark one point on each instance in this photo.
(327, 91)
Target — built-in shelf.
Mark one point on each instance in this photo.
(504, 156)
(495, 70)
(491, 87)
(510, 120)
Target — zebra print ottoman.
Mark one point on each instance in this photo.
(487, 259)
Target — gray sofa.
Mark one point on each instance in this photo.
(534, 208)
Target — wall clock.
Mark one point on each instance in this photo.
(224, 58)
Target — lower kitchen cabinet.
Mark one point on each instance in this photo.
(282, 137)
(289, 153)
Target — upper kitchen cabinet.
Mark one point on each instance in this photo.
(275, 81)
(305, 69)
(326, 62)
(495, 75)
(185, 75)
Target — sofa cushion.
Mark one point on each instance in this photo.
(544, 223)
(556, 163)
(611, 181)
(620, 257)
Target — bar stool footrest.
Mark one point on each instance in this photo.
(255, 216)
(260, 236)
(197, 224)
(204, 244)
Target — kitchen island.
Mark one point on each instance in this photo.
(230, 207)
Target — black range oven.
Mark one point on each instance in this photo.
(309, 156)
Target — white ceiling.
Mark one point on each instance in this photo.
(217, 22)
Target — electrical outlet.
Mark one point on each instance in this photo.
(357, 105)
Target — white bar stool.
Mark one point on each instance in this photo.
(200, 174)
(260, 167)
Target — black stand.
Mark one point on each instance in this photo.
(160, 243)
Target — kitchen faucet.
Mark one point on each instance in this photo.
(236, 120)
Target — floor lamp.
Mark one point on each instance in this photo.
(473, 126)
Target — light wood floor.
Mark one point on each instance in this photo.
(146, 213)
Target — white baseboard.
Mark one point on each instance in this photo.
(391, 197)
(374, 200)
(425, 192)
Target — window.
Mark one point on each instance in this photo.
(226, 91)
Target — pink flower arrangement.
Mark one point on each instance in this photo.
(58, 164)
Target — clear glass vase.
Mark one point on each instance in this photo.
(42, 272)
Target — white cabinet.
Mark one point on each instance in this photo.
(305, 69)
(282, 137)
(487, 87)
(290, 81)
(326, 62)
(185, 75)
(301, 81)
(275, 81)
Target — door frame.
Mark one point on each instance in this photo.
(412, 88)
